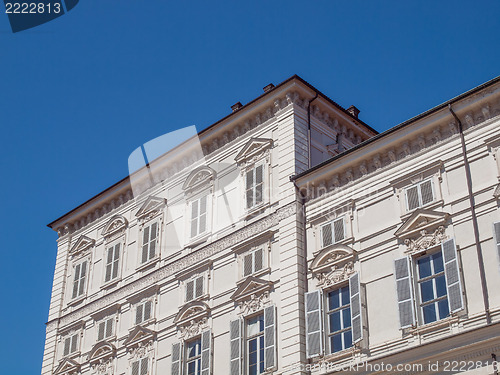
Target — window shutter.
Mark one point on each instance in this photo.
(144, 366)
(109, 327)
(235, 347)
(199, 286)
(249, 188)
(138, 313)
(412, 198)
(74, 342)
(259, 259)
(453, 282)
(497, 237)
(147, 310)
(269, 337)
(135, 368)
(426, 191)
(404, 292)
(203, 214)
(152, 244)
(247, 265)
(259, 178)
(314, 339)
(338, 227)
(356, 317)
(189, 290)
(176, 358)
(67, 343)
(116, 261)
(76, 280)
(206, 352)
(100, 334)
(109, 264)
(83, 274)
(326, 235)
(194, 218)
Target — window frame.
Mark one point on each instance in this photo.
(194, 280)
(140, 361)
(156, 256)
(331, 223)
(190, 200)
(264, 163)
(112, 245)
(105, 321)
(252, 252)
(196, 359)
(78, 263)
(70, 337)
(143, 307)
(418, 185)
(327, 312)
(260, 342)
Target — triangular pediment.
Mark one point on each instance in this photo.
(199, 177)
(420, 220)
(496, 193)
(192, 310)
(251, 285)
(67, 366)
(333, 256)
(102, 350)
(151, 205)
(82, 244)
(253, 147)
(139, 334)
(116, 224)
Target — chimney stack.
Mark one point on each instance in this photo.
(268, 87)
(353, 111)
(236, 106)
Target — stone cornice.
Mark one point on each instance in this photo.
(171, 269)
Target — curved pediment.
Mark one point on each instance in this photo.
(83, 243)
(67, 366)
(116, 224)
(200, 177)
(192, 310)
(101, 351)
(252, 148)
(331, 256)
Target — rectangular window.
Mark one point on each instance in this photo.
(193, 357)
(149, 238)
(105, 329)
(112, 262)
(79, 279)
(419, 195)
(70, 344)
(253, 262)
(332, 232)
(140, 367)
(339, 320)
(432, 288)
(194, 288)
(143, 312)
(198, 216)
(254, 180)
(255, 344)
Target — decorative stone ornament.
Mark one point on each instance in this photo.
(67, 366)
(151, 208)
(114, 227)
(333, 265)
(254, 150)
(252, 295)
(81, 245)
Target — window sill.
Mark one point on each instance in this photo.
(430, 327)
(111, 283)
(338, 356)
(76, 300)
(256, 274)
(198, 240)
(73, 355)
(143, 324)
(429, 206)
(203, 297)
(148, 264)
(255, 211)
(108, 339)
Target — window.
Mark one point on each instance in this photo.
(149, 239)
(143, 312)
(140, 367)
(194, 288)
(79, 279)
(105, 329)
(70, 344)
(332, 232)
(438, 284)
(193, 357)
(254, 180)
(253, 262)
(419, 195)
(341, 319)
(255, 345)
(112, 262)
(198, 216)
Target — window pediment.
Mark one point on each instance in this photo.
(83, 243)
(421, 220)
(253, 148)
(101, 352)
(151, 208)
(115, 225)
(67, 366)
(201, 177)
(251, 286)
(333, 265)
(138, 336)
(192, 311)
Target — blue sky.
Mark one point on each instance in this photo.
(80, 93)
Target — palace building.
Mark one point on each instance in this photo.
(291, 238)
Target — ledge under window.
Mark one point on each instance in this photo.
(148, 264)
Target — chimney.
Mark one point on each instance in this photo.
(353, 111)
(236, 106)
(268, 87)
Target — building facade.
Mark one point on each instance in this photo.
(290, 238)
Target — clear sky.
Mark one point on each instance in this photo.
(80, 93)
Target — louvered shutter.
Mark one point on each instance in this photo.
(326, 235)
(189, 290)
(247, 265)
(83, 275)
(404, 292)
(138, 313)
(235, 347)
(199, 286)
(67, 344)
(259, 260)
(135, 368)
(145, 245)
(426, 192)
(412, 198)
(249, 188)
(259, 178)
(147, 310)
(76, 280)
(203, 214)
(116, 261)
(356, 313)
(152, 244)
(314, 339)
(100, 334)
(109, 327)
(144, 366)
(206, 352)
(269, 337)
(496, 227)
(453, 282)
(109, 264)
(176, 359)
(74, 342)
(338, 227)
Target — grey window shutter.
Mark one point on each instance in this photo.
(412, 198)
(356, 313)
(496, 227)
(249, 188)
(269, 337)
(314, 338)
(144, 366)
(338, 227)
(109, 327)
(203, 214)
(147, 310)
(404, 292)
(138, 313)
(176, 359)
(100, 334)
(258, 259)
(206, 352)
(247, 265)
(116, 261)
(189, 290)
(199, 286)
(259, 178)
(326, 235)
(67, 343)
(235, 347)
(76, 280)
(109, 264)
(135, 368)
(74, 342)
(453, 282)
(83, 274)
(426, 192)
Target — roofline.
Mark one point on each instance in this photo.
(396, 128)
(280, 85)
